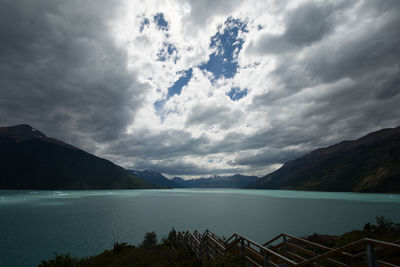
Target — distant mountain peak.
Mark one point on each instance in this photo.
(30, 160)
(21, 131)
(155, 178)
(151, 171)
(216, 181)
(368, 164)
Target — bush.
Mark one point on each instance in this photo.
(119, 247)
(150, 239)
(60, 261)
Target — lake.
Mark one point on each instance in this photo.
(35, 224)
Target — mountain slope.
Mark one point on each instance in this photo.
(368, 164)
(30, 160)
(156, 178)
(235, 181)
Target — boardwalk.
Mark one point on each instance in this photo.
(288, 250)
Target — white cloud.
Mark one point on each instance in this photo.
(305, 88)
(203, 108)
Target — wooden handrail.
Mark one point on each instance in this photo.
(269, 251)
(315, 245)
(209, 245)
(273, 239)
(383, 244)
(232, 236)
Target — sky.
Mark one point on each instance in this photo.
(197, 88)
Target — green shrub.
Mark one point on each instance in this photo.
(60, 261)
(150, 239)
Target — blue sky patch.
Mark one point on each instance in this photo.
(162, 24)
(159, 104)
(235, 93)
(175, 89)
(167, 52)
(145, 23)
(227, 45)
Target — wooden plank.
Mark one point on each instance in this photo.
(310, 253)
(219, 251)
(301, 249)
(274, 264)
(296, 256)
(301, 240)
(249, 260)
(234, 242)
(386, 264)
(383, 244)
(308, 242)
(336, 263)
(273, 239)
(333, 252)
(229, 239)
(209, 244)
(216, 242)
(255, 254)
(269, 251)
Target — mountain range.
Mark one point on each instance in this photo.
(31, 160)
(235, 181)
(156, 178)
(368, 164)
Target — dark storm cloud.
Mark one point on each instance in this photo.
(202, 11)
(337, 77)
(355, 74)
(308, 23)
(147, 145)
(266, 157)
(374, 46)
(222, 117)
(179, 167)
(61, 72)
(165, 152)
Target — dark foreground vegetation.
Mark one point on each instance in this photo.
(384, 230)
(167, 253)
(148, 253)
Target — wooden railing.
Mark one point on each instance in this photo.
(288, 250)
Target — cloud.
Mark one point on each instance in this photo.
(202, 12)
(197, 87)
(306, 24)
(210, 116)
(183, 169)
(266, 157)
(62, 72)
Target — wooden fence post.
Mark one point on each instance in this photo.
(207, 249)
(316, 254)
(284, 245)
(266, 261)
(224, 249)
(242, 247)
(200, 249)
(371, 256)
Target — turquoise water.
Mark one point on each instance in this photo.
(35, 224)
